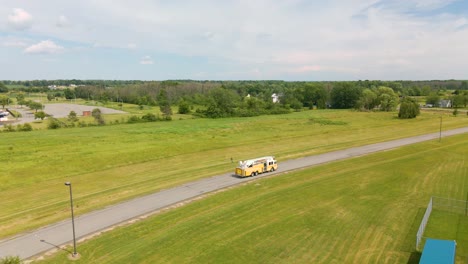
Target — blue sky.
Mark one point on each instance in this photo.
(291, 40)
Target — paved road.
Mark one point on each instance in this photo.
(47, 238)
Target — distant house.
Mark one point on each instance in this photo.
(53, 87)
(275, 98)
(445, 103)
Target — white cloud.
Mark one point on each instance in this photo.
(146, 60)
(20, 19)
(62, 22)
(44, 47)
(367, 39)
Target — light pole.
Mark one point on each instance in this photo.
(73, 218)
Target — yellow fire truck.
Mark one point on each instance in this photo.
(256, 166)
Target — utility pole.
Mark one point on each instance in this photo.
(73, 218)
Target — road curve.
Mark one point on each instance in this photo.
(33, 243)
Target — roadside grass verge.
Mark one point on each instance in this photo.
(361, 210)
(109, 164)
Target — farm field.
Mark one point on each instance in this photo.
(109, 164)
(361, 210)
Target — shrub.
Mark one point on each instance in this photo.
(9, 128)
(10, 260)
(149, 117)
(54, 124)
(72, 117)
(25, 127)
(409, 108)
(184, 107)
(133, 119)
(40, 115)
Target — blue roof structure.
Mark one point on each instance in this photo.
(438, 251)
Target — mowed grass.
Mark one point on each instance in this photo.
(361, 210)
(109, 164)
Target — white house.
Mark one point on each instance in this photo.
(445, 103)
(275, 98)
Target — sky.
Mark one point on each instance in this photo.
(291, 40)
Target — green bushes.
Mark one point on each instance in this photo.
(19, 128)
(409, 108)
(10, 260)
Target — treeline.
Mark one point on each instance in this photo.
(248, 98)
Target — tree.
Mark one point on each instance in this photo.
(96, 113)
(367, 100)
(184, 107)
(164, 104)
(221, 103)
(315, 94)
(69, 94)
(35, 105)
(426, 90)
(20, 99)
(41, 115)
(387, 98)
(3, 88)
(464, 85)
(433, 99)
(4, 100)
(459, 100)
(72, 117)
(50, 96)
(409, 108)
(344, 95)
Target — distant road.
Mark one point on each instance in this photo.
(36, 242)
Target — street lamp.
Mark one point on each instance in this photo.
(73, 218)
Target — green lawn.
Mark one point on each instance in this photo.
(361, 210)
(113, 163)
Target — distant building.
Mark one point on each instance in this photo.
(275, 98)
(445, 103)
(53, 87)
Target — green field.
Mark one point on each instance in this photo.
(361, 210)
(109, 164)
